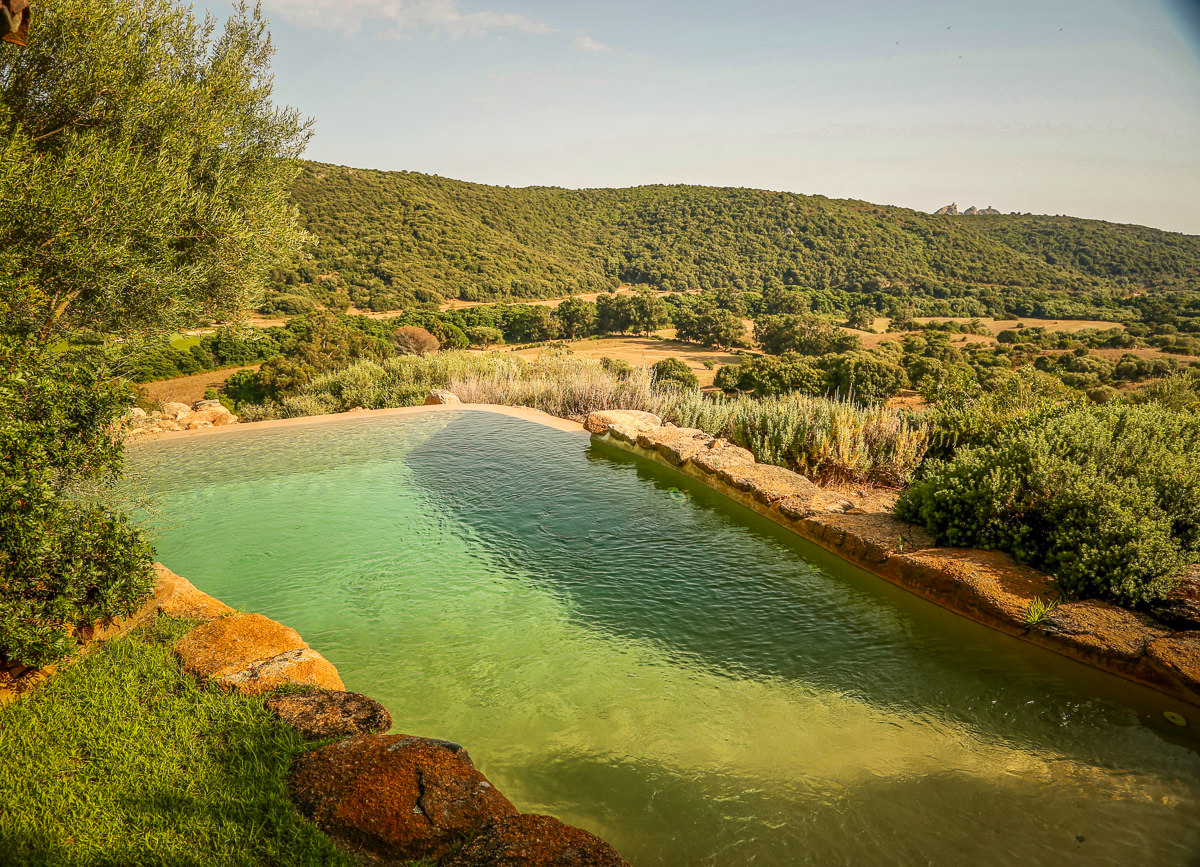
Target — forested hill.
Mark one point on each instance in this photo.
(387, 240)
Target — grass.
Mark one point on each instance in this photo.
(829, 440)
(123, 758)
(1039, 610)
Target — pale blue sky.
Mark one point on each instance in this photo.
(1081, 107)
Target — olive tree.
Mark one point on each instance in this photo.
(144, 186)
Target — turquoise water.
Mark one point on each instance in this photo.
(624, 648)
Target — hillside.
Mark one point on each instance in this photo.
(387, 240)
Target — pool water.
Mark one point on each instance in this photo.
(621, 647)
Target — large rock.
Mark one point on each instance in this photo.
(719, 455)
(178, 597)
(327, 713)
(233, 644)
(304, 666)
(1178, 658)
(217, 416)
(530, 840)
(396, 796)
(676, 444)
(768, 483)
(174, 409)
(441, 396)
(598, 422)
(1181, 608)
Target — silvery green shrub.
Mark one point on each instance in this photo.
(1104, 498)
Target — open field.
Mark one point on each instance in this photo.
(189, 389)
(645, 351)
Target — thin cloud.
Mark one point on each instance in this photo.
(442, 16)
(592, 46)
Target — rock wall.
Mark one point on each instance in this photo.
(986, 586)
(174, 417)
(390, 798)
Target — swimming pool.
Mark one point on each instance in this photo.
(626, 649)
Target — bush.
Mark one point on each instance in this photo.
(768, 375)
(676, 371)
(412, 340)
(1105, 498)
(968, 416)
(865, 376)
(63, 563)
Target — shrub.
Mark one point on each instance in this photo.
(865, 376)
(768, 375)
(676, 371)
(63, 563)
(484, 336)
(1179, 391)
(413, 340)
(1105, 498)
(969, 416)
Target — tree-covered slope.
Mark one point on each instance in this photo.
(395, 239)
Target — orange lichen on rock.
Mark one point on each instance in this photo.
(178, 597)
(531, 840)
(304, 666)
(232, 644)
(396, 796)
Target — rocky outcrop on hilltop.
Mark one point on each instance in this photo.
(175, 417)
(953, 211)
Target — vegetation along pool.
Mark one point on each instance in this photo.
(621, 647)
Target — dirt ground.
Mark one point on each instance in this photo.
(189, 389)
(645, 351)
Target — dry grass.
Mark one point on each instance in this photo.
(828, 440)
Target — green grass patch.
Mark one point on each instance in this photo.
(125, 759)
(184, 342)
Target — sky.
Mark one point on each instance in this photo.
(1083, 107)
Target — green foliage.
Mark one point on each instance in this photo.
(227, 347)
(805, 334)
(576, 318)
(484, 337)
(967, 416)
(676, 371)
(124, 759)
(151, 170)
(706, 323)
(1039, 610)
(1105, 498)
(869, 377)
(1180, 392)
(827, 440)
(767, 375)
(311, 345)
(618, 367)
(402, 240)
(144, 183)
(63, 563)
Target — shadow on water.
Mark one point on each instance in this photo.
(634, 652)
(642, 551)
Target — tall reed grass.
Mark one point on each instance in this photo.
(826, 439)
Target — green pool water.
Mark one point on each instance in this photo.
(623, 648)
